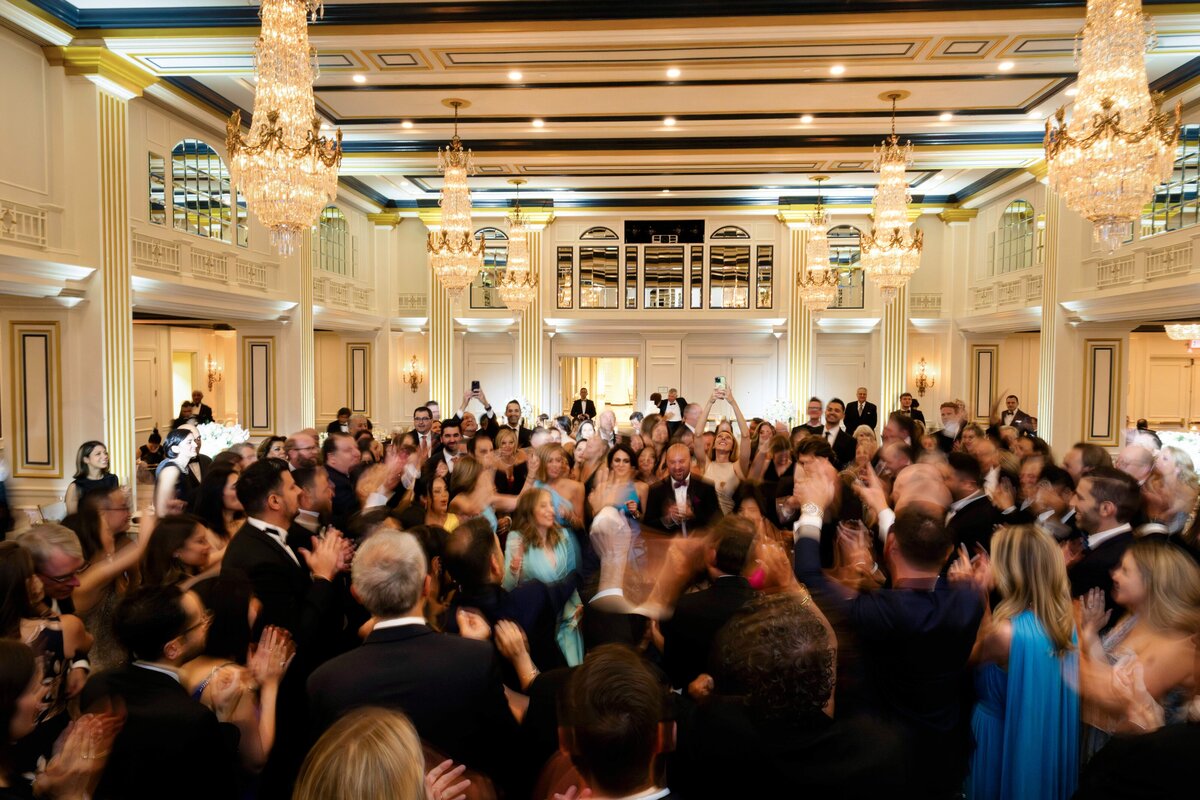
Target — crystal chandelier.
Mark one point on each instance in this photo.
(891, 252)
(284, 167)
(1117, 148)
(1183, 333)
(818, 284)
(518, 285)
(455, 255)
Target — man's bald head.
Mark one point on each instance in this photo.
(920, 483)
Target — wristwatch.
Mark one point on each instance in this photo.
(810, 510)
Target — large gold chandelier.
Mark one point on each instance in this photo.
(1117, 148)
(518, 285)
(284, 167)
(818, 284)
(455, 255)
(891, 252)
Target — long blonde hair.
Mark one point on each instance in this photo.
(543, 453)
(1172, 586)
(371, 752)
(523, 522)
(1031, 574)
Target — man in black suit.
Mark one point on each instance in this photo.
(681, 502)
(423, 428)
(583, 407)
(671, 409)
(843, 444)
(203, 413)
(471, 425)
(689, 634)
(315, 506)
(952, 424)
(1013, 416)
(512, 421)
(447, 685)
(341, 424)
(972, 517)
(168, 739)
(861, 413)
(915, 639)
(341, 456)
(814, 425)
(1105, 501)
(906, 405)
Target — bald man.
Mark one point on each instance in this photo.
(681, 503)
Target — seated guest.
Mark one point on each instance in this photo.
(341, 456)
(151, 453)
(681, 502)
(165, 730)
(447, 685)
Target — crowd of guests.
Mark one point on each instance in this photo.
(479, 608)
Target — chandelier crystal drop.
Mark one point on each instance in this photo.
(284, 167)
(518, 285)
(1107, 161)
(818, 283)
(1184, 332)
(891, 252)
(455, 255)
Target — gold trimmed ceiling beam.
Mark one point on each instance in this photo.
(103, 67)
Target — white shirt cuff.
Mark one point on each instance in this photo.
(808, 525)
(614, 592)
(887, 518)
(375, 499)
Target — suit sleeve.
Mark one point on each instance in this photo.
(313, 621)
(808, 571)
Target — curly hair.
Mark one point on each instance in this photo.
(777, 655)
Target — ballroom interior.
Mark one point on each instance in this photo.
(667, 159)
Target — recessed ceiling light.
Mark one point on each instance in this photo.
(1035, 114)
(666, 191)
(946, 116)
(1005, 66)
(515, 75)
(673, 73)
(406, 124)
(669, 122)
(324, 126)
(806, 119)
(360, 78)
(1074, 90)
(836, 69)
(537, 123)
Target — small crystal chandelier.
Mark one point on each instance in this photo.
(1117, 148)
(1183, 333)
(891, 252)
(518, 285)
(285, 168)
(455, 255)
(818, 284)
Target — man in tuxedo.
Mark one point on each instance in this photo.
(681, 502)
(583, 407)
(861, 413)
(1015, 417)
(165, 730)
(453, 447)
(449, 686)
(921, 685)
(1105, 501)
(423, 427)
(341, 456)
(314, 508)
(951, 426)
(972, 517)
(341, 424)
(301, 450)
(843, 444)
(1052, 504)
(512, 421)
(814, 425)
(672, 408)
(690, 632)
(203, 413)
(906, 405)
(899, 428)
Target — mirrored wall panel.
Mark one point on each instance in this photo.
(599, 276)
(663, 277)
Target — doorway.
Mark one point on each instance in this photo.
(611, 384)
(183, 377)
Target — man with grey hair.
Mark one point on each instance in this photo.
(57, 560)
(449, 686)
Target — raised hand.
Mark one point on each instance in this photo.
(518, 557)
(272, 656)
(510, 640)
(327, 556)
(815, 483)
(872, 493)
(75, 768)
(441, 782)
(472, 625)
(777, 570)
(960, 570)
(1093, 615)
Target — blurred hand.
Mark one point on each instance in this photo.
(272, 656)
(1093, 615)
(327, 556)
(225, 690)
(441, 782)
(818, 484)
(872, 494)
(472, 625)
(511, 640)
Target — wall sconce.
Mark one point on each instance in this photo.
(414, 375)
(924, 381)
(216, 373)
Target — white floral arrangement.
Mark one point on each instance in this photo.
(780, 411)
(1186, 441)
(215, 437)
(526, 409)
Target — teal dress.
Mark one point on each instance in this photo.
(1026, 722)
(562, 506)
(536, 565)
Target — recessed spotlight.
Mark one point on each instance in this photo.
(515, 75)
(360, 78)
(673, 73)
(406, 124)
(324, 126)
(1074, 90)
(945, 116)
(836, 69)
(666, 191)
(537, 123)
(806, 119)
(1035, 114)
(1005, 66)
(669, 122)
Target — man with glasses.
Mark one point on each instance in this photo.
(58, 561)
(301, 449)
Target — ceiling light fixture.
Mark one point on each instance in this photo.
(818, 283)
(360, 78)
(284, 167)
(406, 124)
(946, 116)
(455, 255)
(518, 285)
(537, 123)
(1005, 66)
(837, 69)
(1107, 162)
(806, 119)
(891, 252)
(669, 122)
(673, 73)
(515, 75)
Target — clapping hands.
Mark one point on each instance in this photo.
(270, 659)
(440, 782)
(975, 571)
(1093, 616)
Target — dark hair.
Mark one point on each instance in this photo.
(306, 477)
(147, 618)
(366, 522)
(16, 568)
(1040, 446)
(331, 442)
(656, 397)
(752, 490)
(469, 552)
(621, 447)
(343, 412)
(837, 400)
(175, 437)
(905, 423)
(419, 409)
(209, 505)
(1111, 485)
(432, 539)
(814, 400)
(18, 665)
(733, 537)
(614, 706)
(1012, 396)
(229, 635)
(905, 450)
(260, 480)
(473, 441)
(264, 446)
(905, 394)
(777, 655)
(85, 450)
(160, 567)
(817, 447)
(1057, 477)
(1093, 456)
(155, 437)
(87, 522)
(921, 536)
(966, 465)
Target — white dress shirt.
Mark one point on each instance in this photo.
(959, 505)
(681, 498)
(397, 622)
(1094, 540)
(672, 414)
(276, 535)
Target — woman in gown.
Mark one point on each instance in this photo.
(553, 474)
(722, 466)
(1026, 721)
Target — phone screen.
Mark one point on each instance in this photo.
(720, 381)
(474, 386)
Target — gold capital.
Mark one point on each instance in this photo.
(103, 67)
(951, 215)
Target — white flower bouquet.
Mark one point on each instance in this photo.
(215, 437)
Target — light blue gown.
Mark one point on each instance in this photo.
(536, 565)
(1026, 723)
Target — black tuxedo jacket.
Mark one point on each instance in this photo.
(335, 427)
(204, 414)
(816, 430)
(345, 501)
(583, 407)
(701, 495)
(1021, 421)
(1095, 570)
(170, 745)
(974, 524)
(869, 416)
(448, 686)
(916, 415)
(680, 401)
(688, 635)
(845, 448)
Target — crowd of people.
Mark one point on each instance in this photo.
(856, 606)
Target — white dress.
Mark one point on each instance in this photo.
(723, 476)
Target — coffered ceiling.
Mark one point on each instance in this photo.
(633, 104)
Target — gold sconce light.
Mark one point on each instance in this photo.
(415, 374)
(216, 372)
(924, 378)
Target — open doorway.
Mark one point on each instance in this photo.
(611, 383)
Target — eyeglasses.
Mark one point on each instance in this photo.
(205, 620)
(70, 575)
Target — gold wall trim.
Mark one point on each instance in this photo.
(894, 339)
(358, 357)
(1103, 370)
(441, 344)
(33, 460)
(97, 61)
(259, 412)
(800, 329)
(1047, 397)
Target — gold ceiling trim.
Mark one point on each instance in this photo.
(142, 57)
(103, 63)
(937, 53)
(417, 53)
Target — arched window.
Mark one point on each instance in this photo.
(1014, 242)
(600, 232)
(729, 232)
(845, 252)
(331, 250)
(202, 200)
(495, 259)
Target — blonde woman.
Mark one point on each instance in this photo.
(511, 469)
(552, 473)
(473, 494)
(1171, 500)
(1026, 721)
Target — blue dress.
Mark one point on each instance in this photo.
(1026, 723)
(562, 506)
(536, 565)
